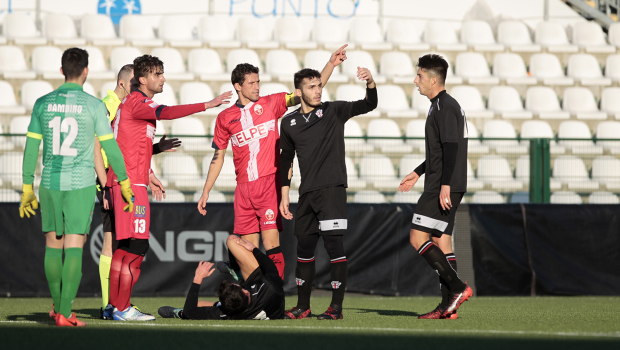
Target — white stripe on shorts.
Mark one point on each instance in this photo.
(431, 223)
(334, 224)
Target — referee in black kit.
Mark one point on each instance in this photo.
(445, 166)
(316, 133)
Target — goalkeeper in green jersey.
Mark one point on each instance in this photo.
(67, 120)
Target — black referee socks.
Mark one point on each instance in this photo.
(444, 286)
(437, 260)
(304, 277)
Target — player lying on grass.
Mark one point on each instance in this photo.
(259, 296)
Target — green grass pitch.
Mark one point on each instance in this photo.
(370, 322)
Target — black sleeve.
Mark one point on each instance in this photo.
(421, 169)
(266, 265)
(450, 150)
(193, 312)
(286, 157)
(348, 110)
(156, 149)
(447, 123)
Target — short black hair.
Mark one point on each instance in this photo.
(146, 64)
(306, 73)
(240, 71)
(436, 65)
(73, 62)
(232, 297)
(123, 72)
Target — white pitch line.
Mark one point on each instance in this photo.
(365, 329)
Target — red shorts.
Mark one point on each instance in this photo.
(256, 205)
(136, 224)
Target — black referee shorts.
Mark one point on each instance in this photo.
(107, 216)
(323, 211)
(429, 217)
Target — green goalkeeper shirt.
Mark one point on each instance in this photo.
(67, 120)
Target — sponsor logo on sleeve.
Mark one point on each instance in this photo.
(253, 133)
(140, 211)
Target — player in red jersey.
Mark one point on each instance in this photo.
(251, 126)
(134, 130)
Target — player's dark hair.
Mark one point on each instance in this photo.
(126, 69)
(73, 62)
(306, 73)
(232, 297)
(240, 71)
(435, 65)
(146, 64)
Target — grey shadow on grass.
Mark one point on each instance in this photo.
(387, 312)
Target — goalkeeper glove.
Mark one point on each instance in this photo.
(29, 201)
(127, 194)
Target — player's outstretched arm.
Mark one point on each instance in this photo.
(408, 182)
(214, 171)
(221, 99)
(336, 58)
(166, 145)
(204, 270)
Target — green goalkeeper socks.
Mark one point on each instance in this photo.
(104, 274)
(71, 277)
(53, 273)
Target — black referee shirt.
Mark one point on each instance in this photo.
(446, 123)
(318, 139)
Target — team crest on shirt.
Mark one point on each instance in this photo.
(299, 281)
(319, 113)
(336, 284)
(269, 214)
(258, 109)
(293, 122)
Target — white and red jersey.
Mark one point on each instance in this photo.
(134, 131)
(253, 131)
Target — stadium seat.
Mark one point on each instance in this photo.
(206, 64)
(606, 170)
(505, 101)
(273, 88)
(46, 62)
(565, 197)
(387, 128)
(238, 56)
(511, 68)
(353, 181)
(393, 102)
(397, 66)
(218, 32)
(369, 196)
(215, 111)
(441, 35)
(97, 68)
(584, 67)
(138, 31)
(610, 101)
(552, 36)
(543, 101)
(195, 92)
(174, 64)
(89, 89)
(11, 168)
(378, 170)
(282, 64)
(181, 169)
(177, 31)
(589, 36)
(475, 146)
(174, 196)
(354, 92)
(316, 59)
(291, 32)
(573, 129)
(416, 128)
(215, 196)
(99, 30)
(8, 103)
(520, 197)
(547, 68)
(166, 97)
(8, 195)
(227, 178)
(13, 64)
(420, 102)
(407, 164)
(478, 35)
(406, 35)
(532, 129)
(471, 101)
(191, 126)
(487, 197)
(451, 78)
(406, 197)
(579, 101)
(609, 130)
(256, 33)
(572, 171)
(495, 171)
(357, 58)
(473, 184)
(121, 56)
(473, 67)
(107, 86)
(60, 30)
(330, 33)
(19, 125)
(614, 34)
(522, 169)
(612, 67)
(20, 28)
(603, 198)
(32, 90)
(352, 129)
(367, 35)
(504, 130)
(516, 36)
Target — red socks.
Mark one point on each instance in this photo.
(124, 274)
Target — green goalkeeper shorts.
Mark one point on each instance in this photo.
(67, 212)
